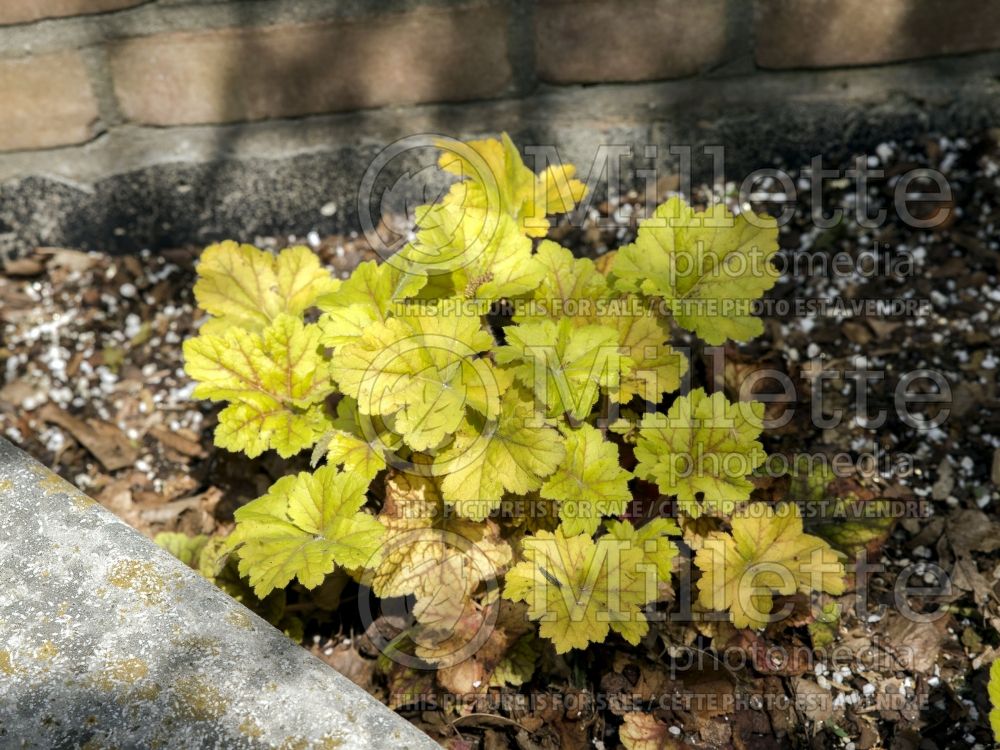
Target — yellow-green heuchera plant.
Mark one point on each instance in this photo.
(482, 408)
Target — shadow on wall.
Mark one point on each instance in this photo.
(294, 71)
(290, 72)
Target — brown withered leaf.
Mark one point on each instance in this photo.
(178, 443)
(917, 644)
(345, 658)
(641, 731)
(409, 687)
(972, 531)
(20, 267)
(787, 659)
(815, 702)
(468, 646)
(795, 610)
(105, 442)
(64, 258)
(638, 678)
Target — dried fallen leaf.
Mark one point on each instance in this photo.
(106, 442)
(23, 267)
(346, 659)
(815, 702)
(917, 644)
(646, 732)
(178, 443)
(71, 260)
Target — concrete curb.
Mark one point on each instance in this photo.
(108, 641)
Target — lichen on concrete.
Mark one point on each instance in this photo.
(108, 641)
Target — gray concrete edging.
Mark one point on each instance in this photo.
(106, 640)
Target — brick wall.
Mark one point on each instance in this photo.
(72, 69)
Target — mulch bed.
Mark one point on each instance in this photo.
(91, 384)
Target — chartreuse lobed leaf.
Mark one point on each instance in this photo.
(370, 295)
(565, 365)
(275, 380)
(657, 368)
(495, 178)
(573, 288)
(708, 267)
(589, 482)
(704, 444)
(185, 548)
(471, 253)
(851, 524)
(569, 287)
(249, 288)
(653, 567)
(518, 663)
(580, 589)
(846, 521)
(357, 443)
(304, 526)
(427, 548)
(994, 691)
(513, 452)
(766, 552)
(652, 539)
(424, 370)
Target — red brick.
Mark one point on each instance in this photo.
(230, 75)
(826, 33)
(589, 42)
(25, 11)
(47, 101)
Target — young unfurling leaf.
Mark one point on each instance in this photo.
(766, 552)
(704, 445)
(470, 253)
(708, 267)
(589, 482)
(495, 178)
(249, 288)
(304, 526)
(275, 380)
